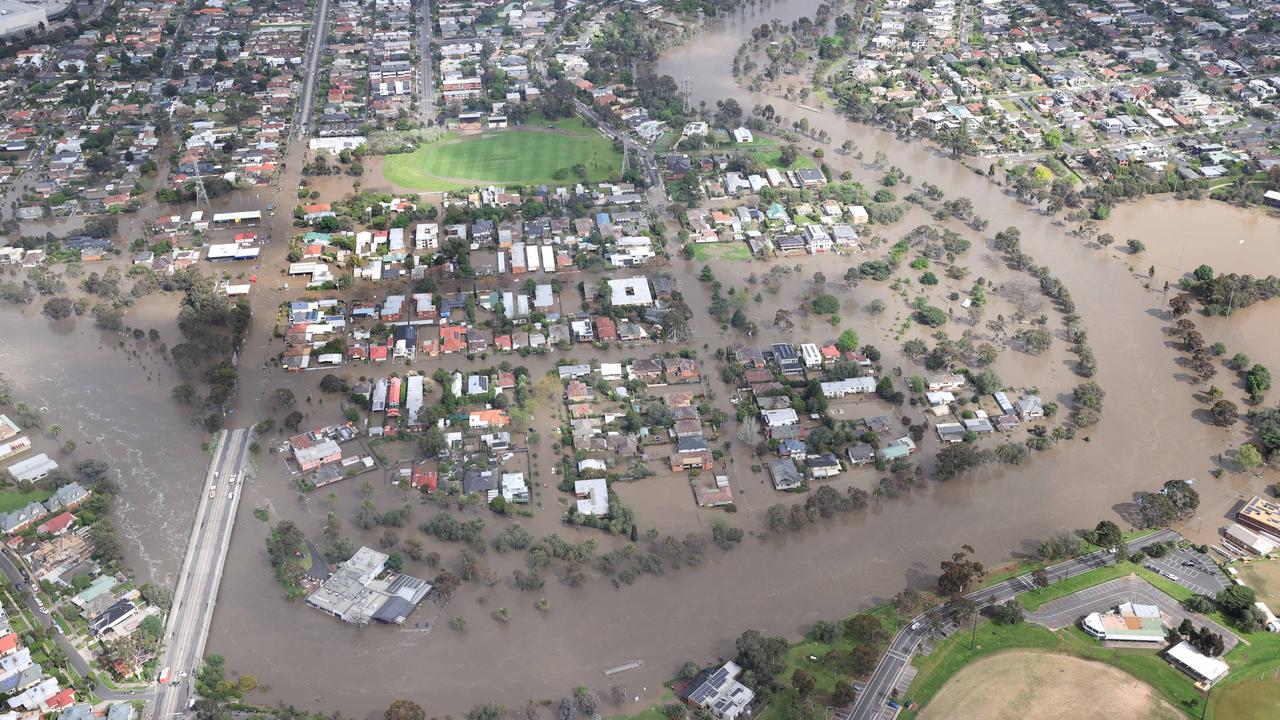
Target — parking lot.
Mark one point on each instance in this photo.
(1191, 570)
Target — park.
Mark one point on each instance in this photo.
(539, 152)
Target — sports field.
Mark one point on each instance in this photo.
(1250, 699)
(1045, 686)
(536, 153)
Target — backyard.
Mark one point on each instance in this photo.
(558, 152)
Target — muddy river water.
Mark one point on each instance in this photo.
(781, 585)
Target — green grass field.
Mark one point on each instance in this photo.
(734, 252)
(530, 155)
(954, 653)
(16, 499)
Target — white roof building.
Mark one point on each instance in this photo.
(593, 496)
(1194, 663)
(629, 292)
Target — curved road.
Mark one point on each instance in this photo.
(871, 702)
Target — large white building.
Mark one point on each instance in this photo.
(18, 16)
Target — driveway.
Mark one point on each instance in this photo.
(1058, 614)
(1191, 570)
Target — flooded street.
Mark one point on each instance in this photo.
(779, 584)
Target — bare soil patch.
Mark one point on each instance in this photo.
(1044, 686)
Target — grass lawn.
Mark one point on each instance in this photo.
(954, 653)
(1255, 698)
(11, 500)
(528, 155)
(769, 154)
(733, 251)
(1033, 599)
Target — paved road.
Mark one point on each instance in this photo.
(426, 76)
(871, 701)
(193, 602)
(1191, 570)
(1065, 611)
(10, 567)
(318, 33)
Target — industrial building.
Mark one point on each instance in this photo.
(1261, 515)
(355, 593)
(16, 17)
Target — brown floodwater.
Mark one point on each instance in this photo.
(780, 584)
(114, 404)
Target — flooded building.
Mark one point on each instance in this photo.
(356, 594)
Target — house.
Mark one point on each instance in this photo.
(630, 292)
(826, 465)
(593, 497)
(786, 358)
(861, 454)
(1030, 407)
(477, 480)
(56, 525)
(718, 691)
(681, 370)
(19, 520)
(848, 386)
(785, 475)
(513, 488)
(897, 449)
(780, 417)
(68, 497)
(945, 382)
(488, 418)
(950, 432)
(716, 493)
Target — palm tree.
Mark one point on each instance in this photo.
(54, 429)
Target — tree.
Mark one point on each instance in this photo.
(1135, 246)
(1107, 534)
(803, 682)
(283, 398)
(404, 710)
(864, 628)
(1248, 457)
(58, 308)
(959, 572)
(432, 442)
(843, 694)
(158, 595)
(1041, 578)
(931, 316)
(1235, 600)
(958, 458)
(1224, 413)
(848, 341)
(788, 155)
(765, 656)
(1089, 394)
(1007, 613)
(1258, 381)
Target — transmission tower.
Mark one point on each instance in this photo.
(202, 195)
